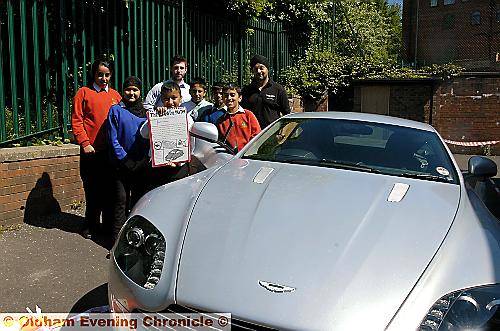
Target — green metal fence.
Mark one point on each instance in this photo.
(47, 46)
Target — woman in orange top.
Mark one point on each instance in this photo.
(90, 111)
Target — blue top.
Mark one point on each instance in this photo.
(212, 115)
(123, 134)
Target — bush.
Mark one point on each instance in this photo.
(321, 71)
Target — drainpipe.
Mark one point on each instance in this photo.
(416, 35)
(431, 101)
(490, 34)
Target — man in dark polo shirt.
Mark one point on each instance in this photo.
(265, 98)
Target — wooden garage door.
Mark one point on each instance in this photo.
(375, 99)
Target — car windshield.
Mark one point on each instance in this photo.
(356, 145)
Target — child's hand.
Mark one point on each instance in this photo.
(171, 164)
(89, 149)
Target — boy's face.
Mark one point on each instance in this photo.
(171, 99)
(131, 93)
(178, 71)
(102, 76)
(217, 96)
(232, 99)
(197, 93)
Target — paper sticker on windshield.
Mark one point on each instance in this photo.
(443, 171)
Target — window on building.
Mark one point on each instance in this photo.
(434, 3)
(498, 15)
(475, 18)
(448, 21)
(449, 2)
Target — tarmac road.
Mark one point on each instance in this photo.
(50, 265)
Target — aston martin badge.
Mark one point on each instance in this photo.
(276, 288)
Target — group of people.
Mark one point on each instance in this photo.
(112, 131)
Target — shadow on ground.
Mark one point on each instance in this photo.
(44, 211)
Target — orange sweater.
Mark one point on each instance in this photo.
(90, 110)
(245, 127)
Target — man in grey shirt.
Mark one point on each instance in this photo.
(178, 70)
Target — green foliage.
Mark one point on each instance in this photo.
(366, 46)
(344, 40)
(248, 8)
(230, 76)
(317, 72)
(55, 141)
(43, 139)
(370, 27)
(321, 71)
(444, 71)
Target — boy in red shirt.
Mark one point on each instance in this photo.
(237, 126)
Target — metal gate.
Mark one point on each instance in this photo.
(47, 46)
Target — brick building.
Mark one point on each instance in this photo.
(462, 109)
(466, 32)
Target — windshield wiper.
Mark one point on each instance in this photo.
(425, 176)
(332, 164)
(257, 157)
(228, 148)
(348, 165)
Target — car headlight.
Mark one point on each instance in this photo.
(140, 252)
(470, 309)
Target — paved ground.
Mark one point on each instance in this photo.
(50, 265)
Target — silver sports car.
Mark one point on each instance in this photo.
(324, 221)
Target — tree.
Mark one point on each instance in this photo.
(344, 39)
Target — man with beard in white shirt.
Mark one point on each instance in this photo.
(178, 70)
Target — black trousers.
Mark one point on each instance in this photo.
(95, 174)
(127, 188)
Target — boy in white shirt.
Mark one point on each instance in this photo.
(197, 106)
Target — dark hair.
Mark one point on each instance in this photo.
(95, 67)
(199, 81)
(217, 85)
(132, 81)
(178, 59)
(169, 87)
(232, 86)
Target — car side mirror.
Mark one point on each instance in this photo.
(481, 166)
(205, 131)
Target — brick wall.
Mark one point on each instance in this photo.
(446, 33)
(411, 102)
(409, 99)
(468, 109)
(310, 105)
(38, 181)
(464, 109)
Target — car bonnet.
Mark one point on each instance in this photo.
(306, 247)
